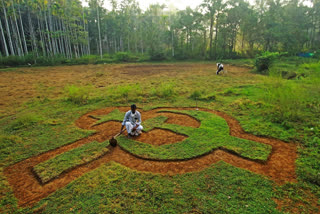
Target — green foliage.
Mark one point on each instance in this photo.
(202, 96)
(85, 60)
(53, 167)
(158, 56)
(196, 95)
(12, 61)
(77, 94)
(125, 93)
(164, 90)
(24, 121)
(123, 56)
(212, 134)
(263, 62)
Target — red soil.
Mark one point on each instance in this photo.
(280, 166)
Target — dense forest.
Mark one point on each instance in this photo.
(215, 29)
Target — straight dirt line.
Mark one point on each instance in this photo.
(280, 167)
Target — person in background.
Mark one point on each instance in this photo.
(219, 68)
(132, 121)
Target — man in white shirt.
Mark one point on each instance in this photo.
(132, 121)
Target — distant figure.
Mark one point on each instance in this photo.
(132, 121)
(219, 67)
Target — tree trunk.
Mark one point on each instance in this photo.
(172, 43)
(51, 30)
(87, 33)
(32, 35)
(211, 34)
(4, 39)
(15, 39)
(204, 43)
(8, 29)
(216, 36)
(63, 39)
(41, 37)
(17, 29)
(48, 33)
(100, 45)
(23, 35)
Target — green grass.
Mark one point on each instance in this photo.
(50, 124)
(53, 167)
(212, 134)
(114, 115)
(150, 124)
(113, 188)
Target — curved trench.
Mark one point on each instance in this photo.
(279, 167)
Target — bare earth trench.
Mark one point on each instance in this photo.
(28, 190)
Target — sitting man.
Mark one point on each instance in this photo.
(132, 121)
(219, 67)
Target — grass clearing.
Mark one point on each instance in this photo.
(239, 93)
(52, 168)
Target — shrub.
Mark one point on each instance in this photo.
(263, 62)
(166, 90)
(12, 61)
(202, 96)
(125, 93)
(122, 56)
(158, 56)
(104, 61)
(77, 95)
(196, 95)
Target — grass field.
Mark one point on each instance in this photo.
(49, 115)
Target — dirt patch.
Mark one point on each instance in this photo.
(29, 84)
(160, 137)
(280, 166)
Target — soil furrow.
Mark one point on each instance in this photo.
(280, 166)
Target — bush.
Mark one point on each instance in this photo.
(122, 56)
(317, 54)
(104, 61)
(263, 62)
(196, 95)
(165, 90)
(158, 56)
(77, 95)
(12, 61)
(202, 96)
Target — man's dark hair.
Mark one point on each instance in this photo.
(133, 106)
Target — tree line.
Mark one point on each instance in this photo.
(215, 29)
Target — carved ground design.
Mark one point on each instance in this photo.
(173, 128)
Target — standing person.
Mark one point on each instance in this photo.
(219, 67)
(132, 121)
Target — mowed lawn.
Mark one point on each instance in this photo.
(39, 107)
